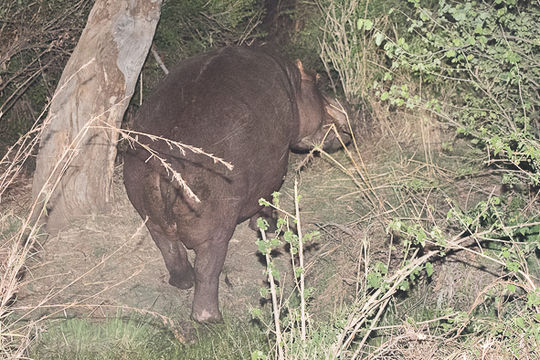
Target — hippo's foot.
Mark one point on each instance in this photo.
(207, 317)
(205, 307)
(182, 280)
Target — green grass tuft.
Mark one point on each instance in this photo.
(135, 338)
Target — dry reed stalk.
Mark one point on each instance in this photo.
(280, 352)
(301, 263)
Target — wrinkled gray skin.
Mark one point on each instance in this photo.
(245, 105)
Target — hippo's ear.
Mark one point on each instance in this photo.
(336, 113)
(299, 65)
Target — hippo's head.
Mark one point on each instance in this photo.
(316, 114)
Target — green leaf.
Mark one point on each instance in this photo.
(512, 266)
(274, 271)
(311, 235)
(275, 198)
(262, 224)
(368, 24)
(289, 237)
(451, 53)
(381, 267)
(404, 285)
(520, 322)
(374, 280)
(429, 269)
(263, 202)
(256, 313)
(512, 57)
(533, 299)
(258, 355)
(379, 37)
(365, 24)
(262, 246)
(395, 225)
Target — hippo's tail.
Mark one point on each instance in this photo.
(169, 158)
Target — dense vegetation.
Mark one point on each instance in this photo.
(444, 213)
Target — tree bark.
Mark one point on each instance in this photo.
(75, 163)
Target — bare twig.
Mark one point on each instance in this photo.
(158, 60)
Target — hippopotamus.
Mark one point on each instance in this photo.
(248, 106)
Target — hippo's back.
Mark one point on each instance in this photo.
(236, 103)
(226, 98)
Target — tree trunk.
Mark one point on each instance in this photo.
(75, 163)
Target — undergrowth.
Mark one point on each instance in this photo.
(37, 39)
(442, 238)
(428, 218)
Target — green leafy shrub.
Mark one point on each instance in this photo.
(479, 61)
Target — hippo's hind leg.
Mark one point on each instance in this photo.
(175, 255)
(210, 256)
(158, 197)
(145, 188)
